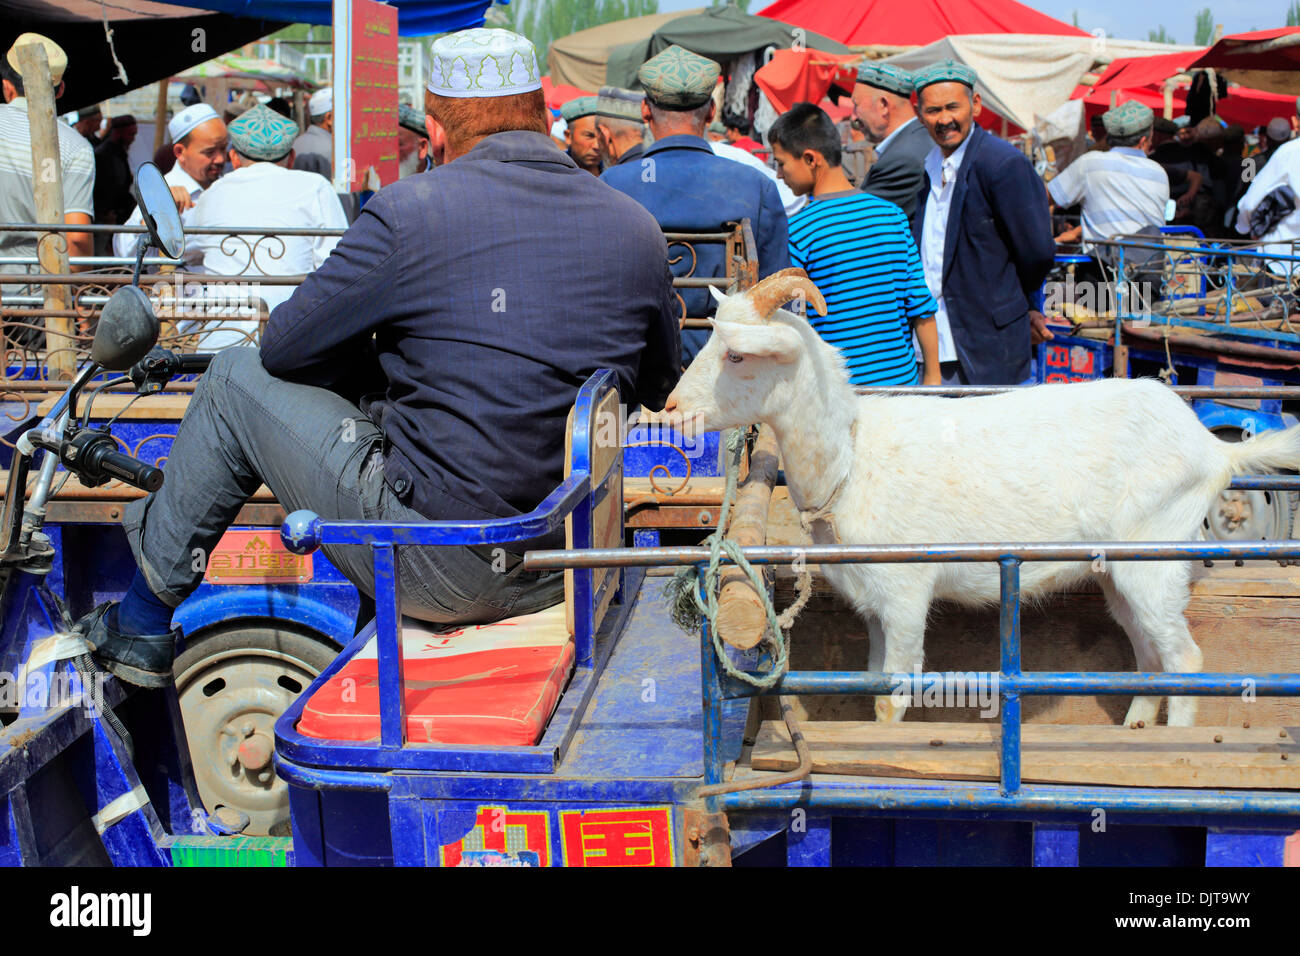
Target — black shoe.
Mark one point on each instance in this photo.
(141, 659)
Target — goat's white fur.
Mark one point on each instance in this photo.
(1118, 459)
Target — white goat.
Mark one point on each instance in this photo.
(1118, 459)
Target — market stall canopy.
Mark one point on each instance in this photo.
(1023, 77)
(1243, 106)
(1129, 72)
(580, 58)
(414, 17)
(152, 41)
(233, 66)
(805, 76)
(721, 33)
(913, 22)
(1263, 59)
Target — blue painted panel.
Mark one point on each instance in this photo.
(356, 829)
(1056, 845)
(670, 456)
(1225, 847)
(808, 841)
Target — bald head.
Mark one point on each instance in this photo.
(202, 151)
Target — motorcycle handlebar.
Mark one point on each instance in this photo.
(130, 470)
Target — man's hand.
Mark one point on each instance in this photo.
(1038, 330)
(182, 197)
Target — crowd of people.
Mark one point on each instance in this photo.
(453, 322)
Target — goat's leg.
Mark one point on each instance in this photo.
(1156, 594)
(902, 628)
(1143, 708)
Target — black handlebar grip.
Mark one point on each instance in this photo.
(194, 362)
(131, 470)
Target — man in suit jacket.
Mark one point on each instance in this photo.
(882, 104)
(984, 233)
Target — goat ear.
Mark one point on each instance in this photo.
(777, 342)
(717, 294)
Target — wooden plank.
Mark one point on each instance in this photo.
(47, 185)
(1228, 757)
(165, 406)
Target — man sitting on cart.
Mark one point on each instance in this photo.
(425, 371)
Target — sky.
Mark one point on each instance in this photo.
(1124, 18)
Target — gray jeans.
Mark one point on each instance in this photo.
(314, 450)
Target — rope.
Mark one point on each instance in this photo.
(693, 594)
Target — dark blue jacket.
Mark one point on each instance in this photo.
(689, 188)
(997, 251)
(490, 289)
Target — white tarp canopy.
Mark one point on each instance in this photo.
(1025, 77)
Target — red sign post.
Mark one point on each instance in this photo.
(365, 93)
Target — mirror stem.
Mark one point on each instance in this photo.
(141, 244)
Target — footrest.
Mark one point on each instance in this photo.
(489, 684)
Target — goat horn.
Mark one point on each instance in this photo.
(780, 287)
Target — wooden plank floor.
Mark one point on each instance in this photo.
(1215, 757)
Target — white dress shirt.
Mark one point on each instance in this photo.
(263, 195)
(791, 202)
(1282, 169)
(938, 202)
(124, 242)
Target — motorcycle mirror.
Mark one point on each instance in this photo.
(127, 329)
(158, 209)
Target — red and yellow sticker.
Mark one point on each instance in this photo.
(521, 835)
(642, 836)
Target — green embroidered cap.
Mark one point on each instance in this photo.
(947, 71)
(263, 134)
(483, 62)
(883, 76)
(618, 103)
(1127, 119)
(578, 108)
(678, 79)
(412, 119)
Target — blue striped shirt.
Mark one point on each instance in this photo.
(858, 250)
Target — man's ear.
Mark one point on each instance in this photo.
(645, 111)
(177, 149)
(777, 341)
(975, 105)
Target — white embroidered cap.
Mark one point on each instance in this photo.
(483, 62)
(183, 123)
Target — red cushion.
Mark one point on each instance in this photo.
(491, 684)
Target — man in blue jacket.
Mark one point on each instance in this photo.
(689, 188)
(984, 233)
(425, 370)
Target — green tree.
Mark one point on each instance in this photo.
(1074, 17)
(1160, 35)
(545, 21)
(1293, 14)
(1204, 27)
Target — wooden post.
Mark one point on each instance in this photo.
(1114, 98)
(1169, 99)
(160, 116)
(47, 186)
(742, 618)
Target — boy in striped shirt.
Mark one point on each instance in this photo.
(858, 250)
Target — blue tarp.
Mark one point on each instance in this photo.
(414, 17)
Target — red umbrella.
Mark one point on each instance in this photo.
(913, 22)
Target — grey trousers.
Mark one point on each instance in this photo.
(315, 450)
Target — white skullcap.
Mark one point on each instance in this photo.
(321, 102)
(185, 121)
(483, 62)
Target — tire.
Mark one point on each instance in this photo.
(1249, 515)
(233, 684)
